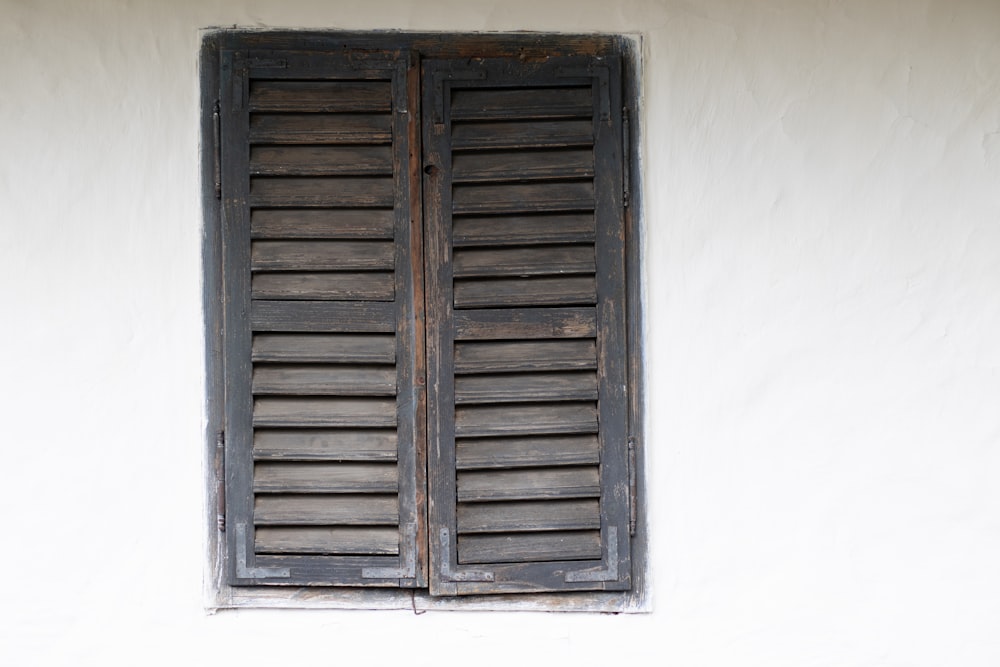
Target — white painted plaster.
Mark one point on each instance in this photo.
(822, 255)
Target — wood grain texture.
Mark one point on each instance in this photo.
(324, 444)
(334, 541)
(527, 516)
(293, 128)
(541, 260)
(326, 510)
(321, 255)
(515, 419)
(307, 160)
(365, 223)
(527, 547)
(329, 286)
(575, 482)
(332, 191)
(492, 166)
(521, 134)
(350, 412)
(525, 323)
(323, 316)
(507, 293)
(522, 197)
(320, 96)
(324, 379)
(550, 228)
(525, 387)
(522, 103)
(515, 356)
(328, 348)
(318, 477)
(522, 452)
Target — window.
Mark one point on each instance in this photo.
(426, 332)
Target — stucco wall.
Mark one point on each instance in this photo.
(822, 263)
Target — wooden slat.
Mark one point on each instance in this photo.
(324, 379)
(541, 260)
(333, 541)
(521, 135)
(320, 96)
(320, 128)
(346, 191)
(529, 516)
(330, 348)
(323, 316)
(320, 160)
(506, 293)
(317, 477)
(337, 286)
(521, 452)
(324, 444)
(523, 197)
(322, 224)
(523, 230)
(521, 103)
(522, 165)
(541, 483)
(360, 412)
(551, 355)
(525, 547)
(489, 420)
(524, 387)
(516, 323)
(321, 255)
(326, 510)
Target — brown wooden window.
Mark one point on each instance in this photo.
(427, 333)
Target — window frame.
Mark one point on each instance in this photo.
(218, 593)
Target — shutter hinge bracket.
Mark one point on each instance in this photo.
(409, 557)
(608, 574)
(244, 572)
(633, 508)
(217, 141)
(220, 481)
(626, 156)
(465, 575)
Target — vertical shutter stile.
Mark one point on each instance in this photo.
(526, 335)
(323, 347)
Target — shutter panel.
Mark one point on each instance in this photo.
(526, 340)
(324, 417)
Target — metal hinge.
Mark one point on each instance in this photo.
(633, 508)
(217, 141)
(220, 481)
(449, 575)
(409, 557)
(243, 571)
(610, 573)
(626, 156)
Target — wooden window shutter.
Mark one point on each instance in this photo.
(322, 264)
(527, 358)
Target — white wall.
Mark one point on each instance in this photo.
(822, 268)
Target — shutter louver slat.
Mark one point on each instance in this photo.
(322, 223)
(325, 445)
(322, 325)
(523, 230)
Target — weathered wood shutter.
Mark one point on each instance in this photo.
(526, 335)
(322, 261)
